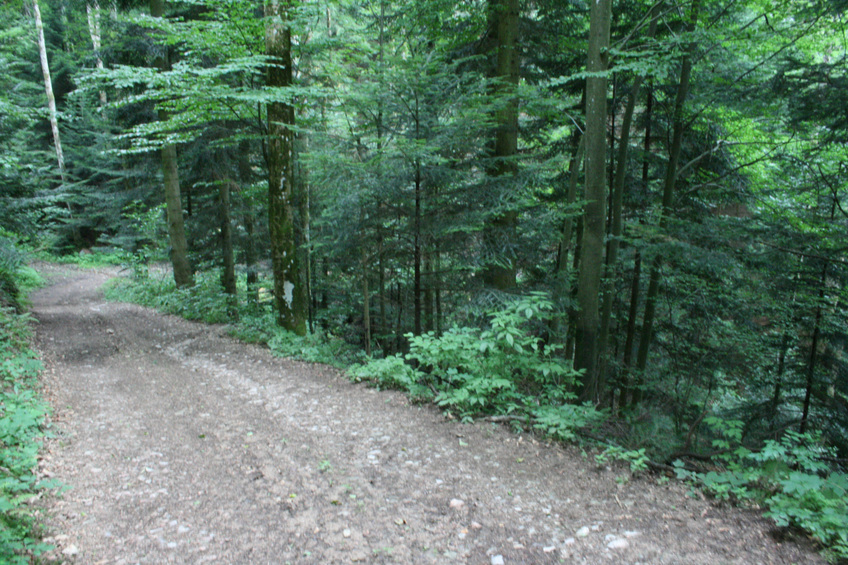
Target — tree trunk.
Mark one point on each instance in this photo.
(228, 275)
(48, 89)
(617, 227)
(252, 278)
(250, 256)
(92, 12)
(183, 276)
(667, 205)
(814, 353)
(504, 18)
(366, 292)
(630, 339)
(301, 175)
(565, 244)
(635, 284)
(176, 229)
(594, 216)
(289, 291)
(416, 254)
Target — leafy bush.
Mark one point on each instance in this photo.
(502, 369)
(21, 416)
(790, 477)
(206, 301)
(315, 347)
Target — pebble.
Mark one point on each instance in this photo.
(618, 543)
(476, 525)
(346, 533)
(582, 532)
(456, 503)
(497, 560)
(70, 550)
(549, 549)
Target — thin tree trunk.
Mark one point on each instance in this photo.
(303, 188)
(92, 11)
(778, 381)
(416, 259)
(48, 89)
(428, 291)
(249, 218)
(565, 244)
(384, 323)
(289, 290)
(814, 355)
(594, 216)
(632, 315)
(666, 212)
(252, 278)
(437, 282)
(176, 229)
(635, 284)
(366, 293)
(228, 275)
(617, 227)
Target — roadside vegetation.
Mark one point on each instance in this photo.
(22, 412)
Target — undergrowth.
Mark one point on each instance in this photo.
(502, 370)
(22, 413)
(207, 302)
(791, 477)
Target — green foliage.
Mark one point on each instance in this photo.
(206, 301)
(791, 477)
(392, 372)
(21, 416)
(637, 459)
(504, 369)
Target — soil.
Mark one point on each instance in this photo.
(180, 444)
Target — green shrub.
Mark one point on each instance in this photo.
(206, 301)
(21, 418)
(502, 369)
(790, 477)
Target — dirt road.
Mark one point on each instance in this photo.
(182, 445)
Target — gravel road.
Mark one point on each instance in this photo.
(181, 445)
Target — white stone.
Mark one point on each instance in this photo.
(618, 543)
(497, 560)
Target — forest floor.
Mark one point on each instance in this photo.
(181, 445)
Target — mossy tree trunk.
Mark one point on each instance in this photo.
(289, 289)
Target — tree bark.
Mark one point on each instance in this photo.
(183, 276)
(504, 18)
(289, 291)
(594, 216)
(52, 114)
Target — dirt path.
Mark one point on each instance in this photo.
(182, 445)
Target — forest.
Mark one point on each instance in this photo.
(618, 221)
